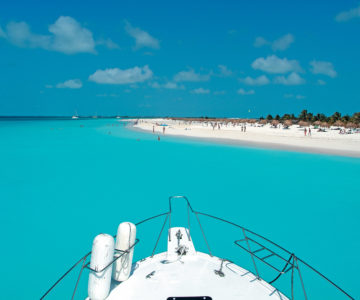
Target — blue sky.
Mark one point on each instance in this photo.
(185, 58)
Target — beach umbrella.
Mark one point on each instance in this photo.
(275, 122)
(303, 123)
(351, 125)
(288, 122)
(324, 124)
(339, 123)
(317, 123)
(263, 122)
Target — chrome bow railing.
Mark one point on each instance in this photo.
(249, 240)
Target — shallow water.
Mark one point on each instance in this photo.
(61, 184)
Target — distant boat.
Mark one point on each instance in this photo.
(75, 117)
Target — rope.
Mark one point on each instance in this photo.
(282, 271)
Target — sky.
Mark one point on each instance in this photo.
(179, 58)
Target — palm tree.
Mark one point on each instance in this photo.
(303, 115)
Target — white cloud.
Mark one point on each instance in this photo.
(173, 85)
(283, 42)
(224, 71)
(280, 44)
(323, 67)
(70, 37)
(288, 96)
(244, 92)
(142, 38)
(299, 97)
(276, 65)
(321, 82)
(261, 80)
(2, 33)
(49, 86)
(110, 44)
(19, 34)
(67, 36)
(200, 91)
(260, 41)
(191, 75)
(156, 85)
(168, 85)
(348, 15)
(70, 84)
(118, 76)
(292, 79)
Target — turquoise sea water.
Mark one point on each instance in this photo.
(62, 184)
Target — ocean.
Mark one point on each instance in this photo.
(62, 182)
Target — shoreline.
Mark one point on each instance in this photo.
(341, 146)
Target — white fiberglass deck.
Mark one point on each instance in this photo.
(170, 274)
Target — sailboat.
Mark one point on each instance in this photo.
(75, 117)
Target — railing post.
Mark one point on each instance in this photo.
(77, 282)
(301, 280)
(157, 241)
(292, 279)
(203, 233)
(252, 257)
(188, 213)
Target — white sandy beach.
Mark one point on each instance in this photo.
(265, 136)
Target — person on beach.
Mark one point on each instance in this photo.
(309, 134)
(158, 137)
(163, 129)
(153, 128)
(244, 128)
(305, 131)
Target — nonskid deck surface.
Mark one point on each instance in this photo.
(194, 275)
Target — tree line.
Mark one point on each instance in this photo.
(312, 118)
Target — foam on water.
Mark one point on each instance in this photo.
(61, 184)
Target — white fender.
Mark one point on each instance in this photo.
(125, 238)
(102, 254)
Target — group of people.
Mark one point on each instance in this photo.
(307, 131)
(163, 130)
(214, 125)
(343, 131)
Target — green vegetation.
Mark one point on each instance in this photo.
(306, 116)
